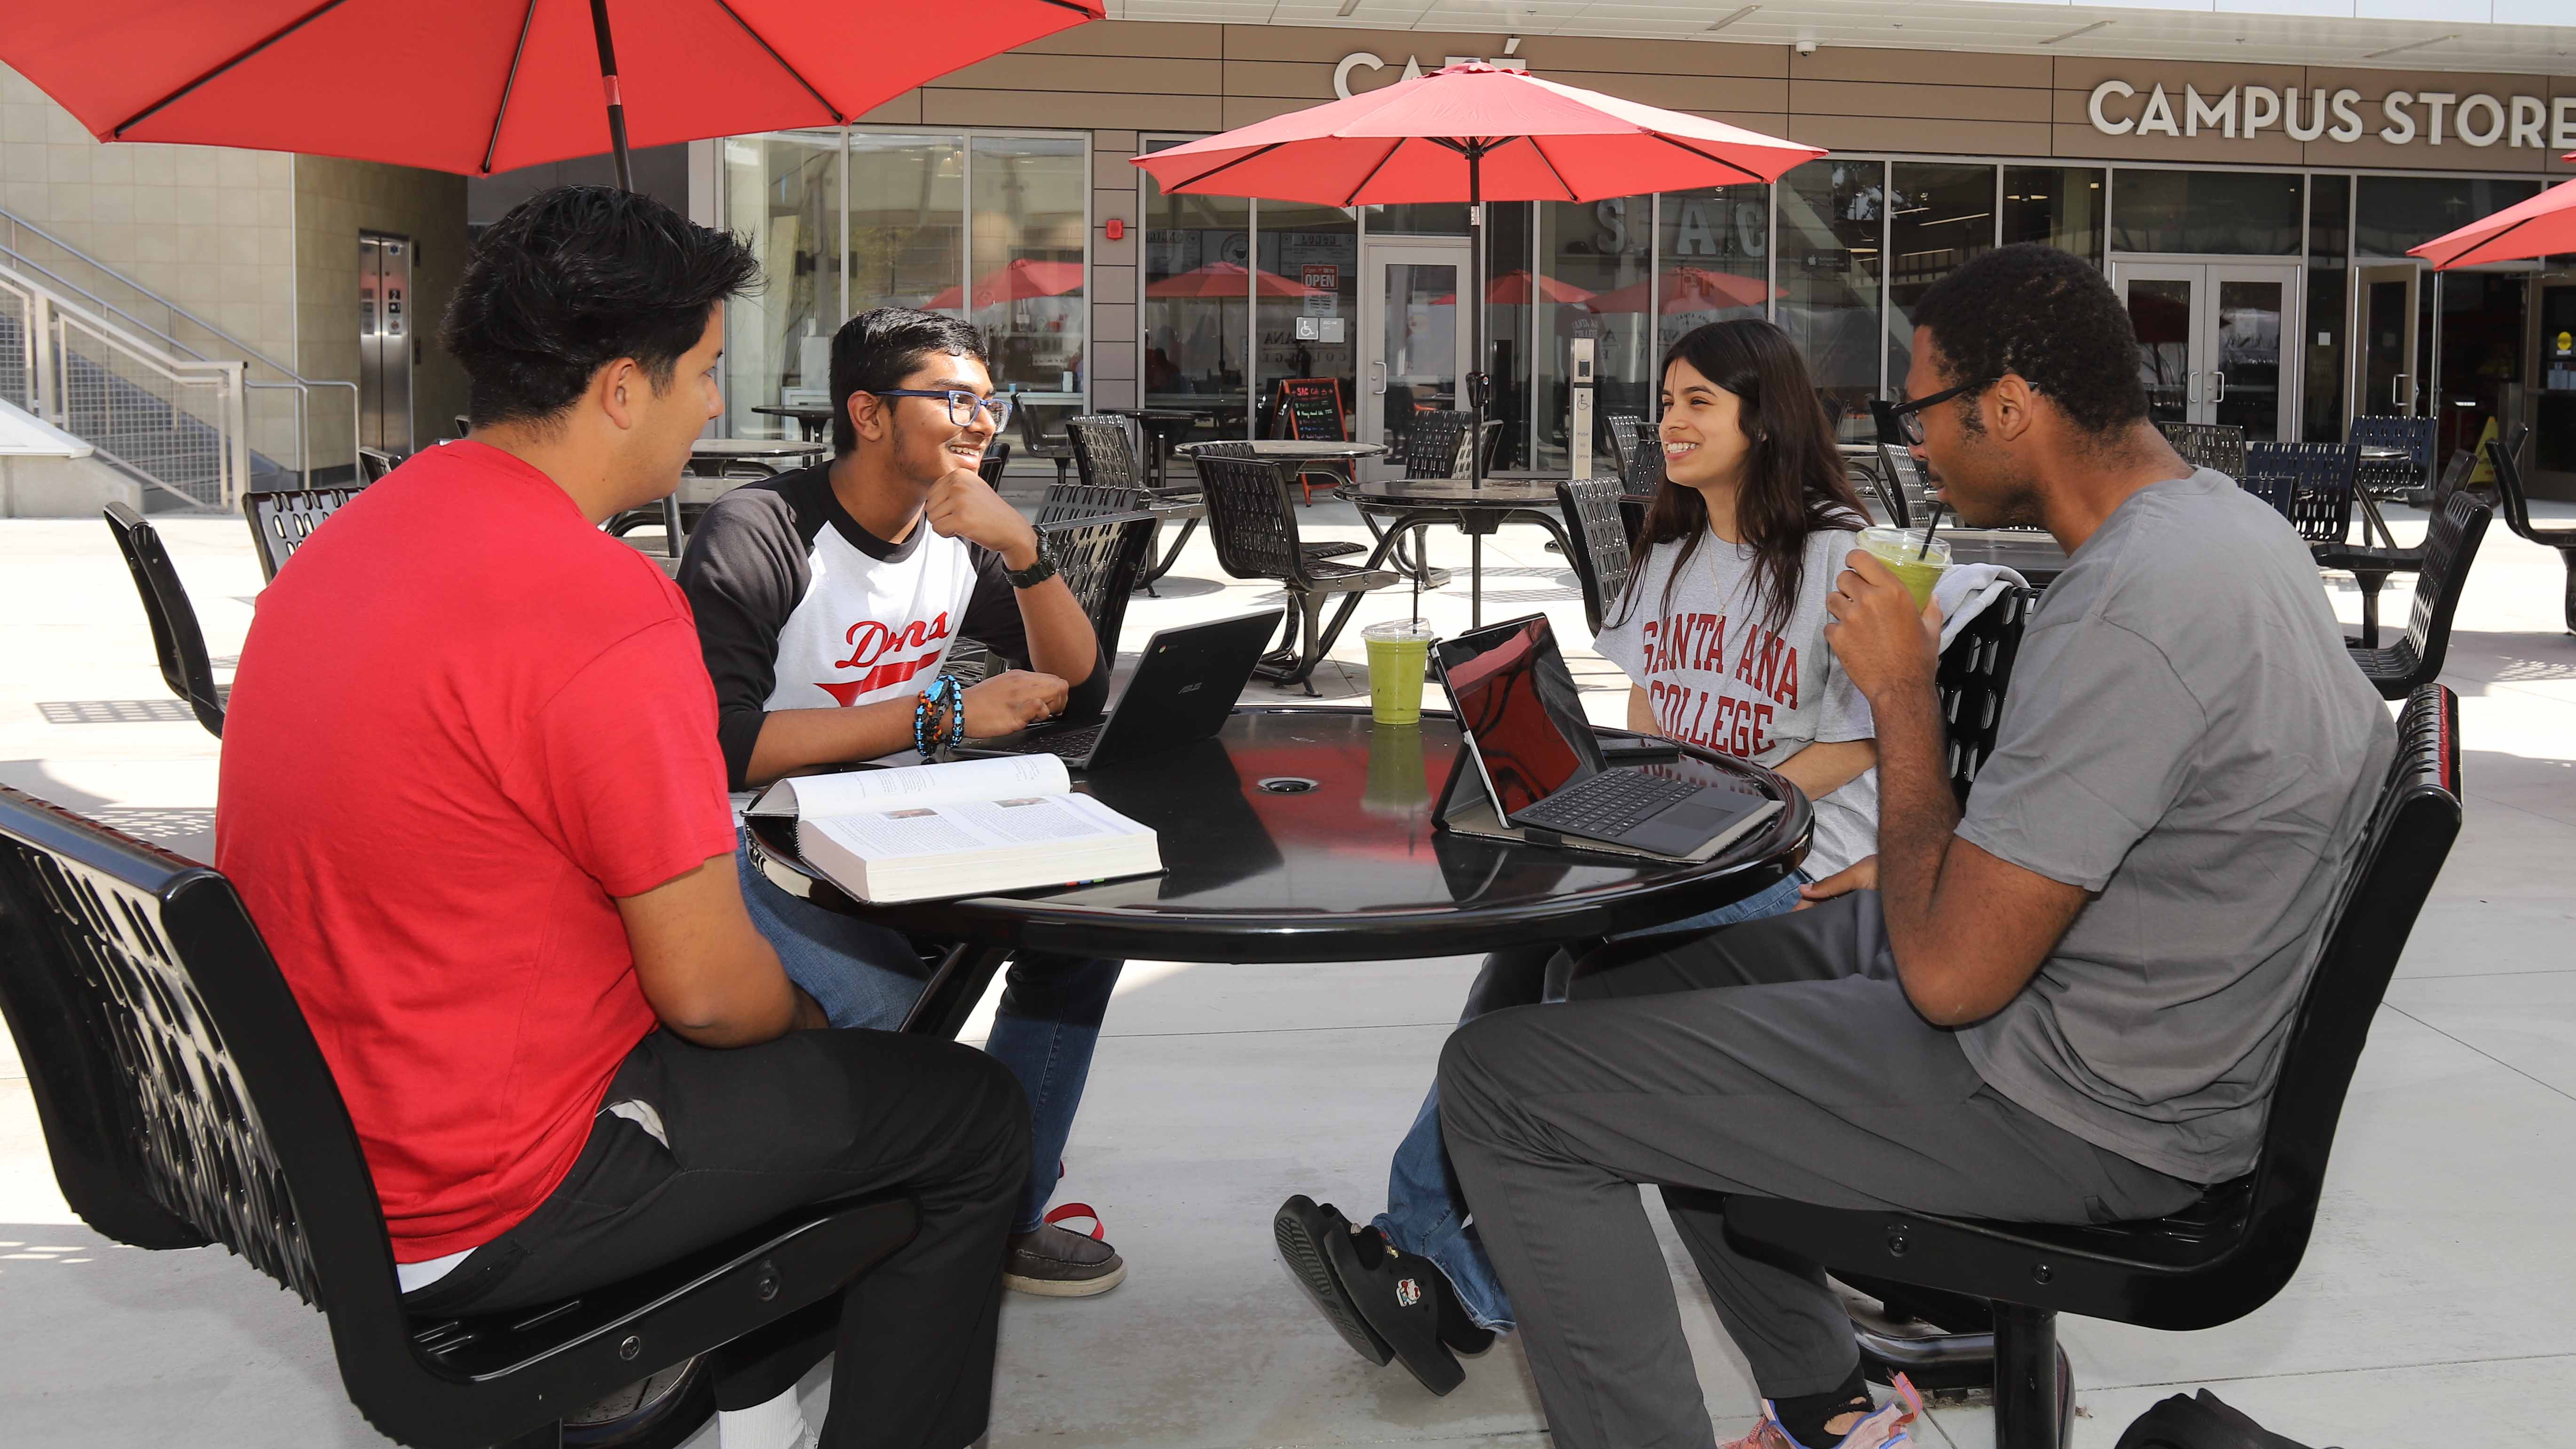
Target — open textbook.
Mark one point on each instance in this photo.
(922, 832)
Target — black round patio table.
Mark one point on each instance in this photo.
(1415, 504)
(1305, 834)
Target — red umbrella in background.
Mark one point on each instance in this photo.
(479, 86)
(1514, 289)
(1472, 133)
(1017, 282)
(1686, 289)
(1225, 279)
(2543, 226)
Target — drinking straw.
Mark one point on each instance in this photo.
(1926, 550)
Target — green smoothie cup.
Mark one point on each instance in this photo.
(1901, 549)
(1399, 650)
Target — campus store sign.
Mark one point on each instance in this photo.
(2400, 118)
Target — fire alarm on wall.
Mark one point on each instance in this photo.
(1116, 228)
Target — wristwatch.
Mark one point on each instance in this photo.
(1036, 573)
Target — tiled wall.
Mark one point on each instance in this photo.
(334, 201)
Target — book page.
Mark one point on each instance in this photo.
(814, 797)
(1029, 819)
(966, 826)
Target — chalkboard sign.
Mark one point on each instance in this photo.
(1310, 409)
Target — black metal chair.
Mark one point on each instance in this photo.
(1602, 557)
(184, 1102)
(1435, 445)
(1975, 670)
(1237, 449)
(1100, 556)
(2309, 483)
(2217, 1260)
(1036, 444)
(2219, 447)
(1105, 454)
(996, 458)
(177, 643)
(464, 425)
(280, 521)
(374, 464)
(1255, 527)
(2517, 511)
(2450, 546)
(1896, 483)
(2392, 479)
(2371, 566)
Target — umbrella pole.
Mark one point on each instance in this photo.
(1477, 383)
(616, 102)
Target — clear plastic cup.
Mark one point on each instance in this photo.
(1398, 652)
(1901, 549)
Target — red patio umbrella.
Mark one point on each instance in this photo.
(1017, 282)
(2543, 226)
(1514, 289)
(1686, 289)
(479, 86)
(1472, 133)
(1225, 279)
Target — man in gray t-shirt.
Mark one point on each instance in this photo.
(2067, 1005)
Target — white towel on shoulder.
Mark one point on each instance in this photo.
(1967, 590)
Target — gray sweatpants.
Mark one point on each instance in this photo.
(1779, 1057)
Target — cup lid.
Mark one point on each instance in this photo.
(1401, 630)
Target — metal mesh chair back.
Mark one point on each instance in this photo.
(280, 521)
(2394, 477)
(2516, 503)
(373, 465)
(2450, 546)
(177, 644)
(1601, 555)
(1640, 454)
(1101, 558)
(1063, 501)
(1435, 445)
(2310, 483)
(1974, 672)
(160, 1039)
(1896, 484)
(2219, 447)
(1104, 451)
(1254, 524)
(997, 457)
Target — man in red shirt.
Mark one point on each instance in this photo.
(472, 794)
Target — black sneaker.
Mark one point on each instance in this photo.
(1385, 1303)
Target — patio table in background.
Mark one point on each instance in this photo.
(812, 420)
(1305, 834)
(1415, 504)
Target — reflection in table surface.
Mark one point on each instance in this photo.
(1347, 866)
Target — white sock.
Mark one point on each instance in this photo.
(776, 1424)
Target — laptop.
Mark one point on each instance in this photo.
(1526, 735)
(1185, 686)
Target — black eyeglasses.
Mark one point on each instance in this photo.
(1908, 416)
(962, 405)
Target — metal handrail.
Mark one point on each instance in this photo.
(49, 321)
(302, 385)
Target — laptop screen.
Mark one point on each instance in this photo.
(1517, 699)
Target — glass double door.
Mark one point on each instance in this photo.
(2216, 341)
(1413, 335)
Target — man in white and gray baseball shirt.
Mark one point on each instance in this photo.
(2066, 1004)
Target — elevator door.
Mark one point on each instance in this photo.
(384, 342)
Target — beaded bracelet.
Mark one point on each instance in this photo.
(944, 692)
(956, 710)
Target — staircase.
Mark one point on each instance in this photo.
(166, 398)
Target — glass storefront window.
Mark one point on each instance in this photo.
(1593, 282)
(1031, 221)
(1937, 218)
(2058, 206)
(2237, 213)
(1829, 228)
(784, 192)
(2393, 213)
(1716, 250)
(907, 222)
(2329, 236)
(1312, 332)
(1197, 302)
(1511, 305)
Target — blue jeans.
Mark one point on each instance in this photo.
(1425, 1212)
(865, 975)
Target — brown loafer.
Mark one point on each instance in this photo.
(1057, 1262)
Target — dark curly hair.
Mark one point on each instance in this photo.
(879, 348)
(2049, 316)
(574, 279)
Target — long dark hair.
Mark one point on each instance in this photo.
(1793, 479)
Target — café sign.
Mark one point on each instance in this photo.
(1359, 60)
(2402, 118)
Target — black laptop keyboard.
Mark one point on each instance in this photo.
(1072, 744)
(1607, 805)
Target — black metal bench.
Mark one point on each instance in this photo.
(184, 1102)
(2219, 1260)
